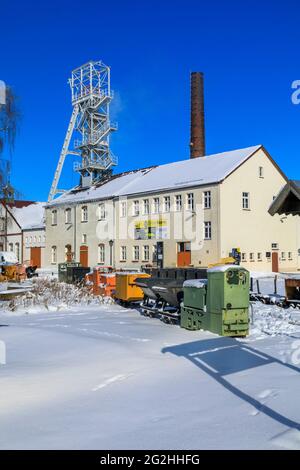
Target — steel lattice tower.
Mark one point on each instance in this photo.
(90, 126)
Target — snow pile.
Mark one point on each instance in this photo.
(51, 295)
(274, 321)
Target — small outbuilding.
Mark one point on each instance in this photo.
(288, 200)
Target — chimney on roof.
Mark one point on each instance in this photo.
(197, 143)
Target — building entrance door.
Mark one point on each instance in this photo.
(84, 256)
(183, 254)
(35, 256)
(275, 262)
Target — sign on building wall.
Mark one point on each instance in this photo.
(151, 230)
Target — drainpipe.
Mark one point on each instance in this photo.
(74, 228)
(111, 244)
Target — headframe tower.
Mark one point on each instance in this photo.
(90, 127)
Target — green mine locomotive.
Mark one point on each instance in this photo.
(219, 303)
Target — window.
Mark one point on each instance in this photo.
(146, 207)
(207, 199)
(68, 216)
(17, 251)
(156, 205)
(251, 256)
(136, 253)
(259, 257)
(283, 256)
(136, 208)
(53, 254)
(40, 239)
(268, 255)
(290, 255)
(123, 253)
(84, 214)
(26, 239)
(178, 202)
(123, 209)
(84, 238)
(274, 246)
(261, 171)
(146, 253)
(101, 253)
(246, 204)
(11, 247)
(190, 201)
(54, 217)
(207, 230)
(244, 257)
(30, 239)
(167, 204)
(101, 211)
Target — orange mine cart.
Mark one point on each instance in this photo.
(97, 273)
(126, 289)
(107, 285)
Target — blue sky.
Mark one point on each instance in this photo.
(249, 52)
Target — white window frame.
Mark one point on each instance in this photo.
(146, 253)
(146, 207)
(207, 199)
(259, 256)
(246, 200)
(17, 250)
(84, 214)
(156, 205)
(54, 254)
(190, 204)
(123, 253)
(167, 203)
(101, 253)
(123, 210)
(101, 211)
(178, 202)
(136, 208)
(54, 217)
(84, 239)
(207, 230)
(261, 171)
(68, 217)
(136, 253)
(251, 256)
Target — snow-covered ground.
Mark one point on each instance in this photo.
(105, 377)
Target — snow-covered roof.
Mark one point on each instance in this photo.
(31, 216)
(223, 268)
(177, 175)
(197, 283)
